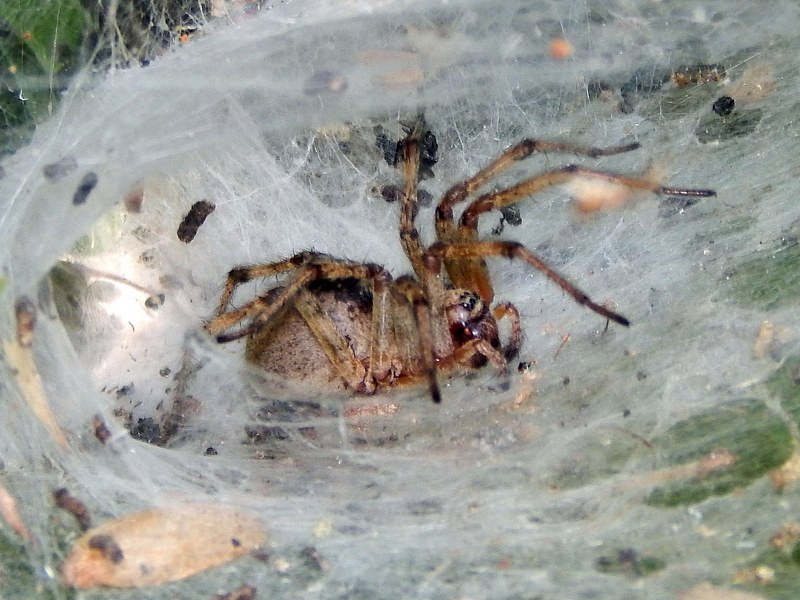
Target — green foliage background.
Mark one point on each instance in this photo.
(43, 43)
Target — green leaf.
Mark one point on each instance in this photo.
(757, 438)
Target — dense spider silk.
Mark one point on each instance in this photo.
(540, 486)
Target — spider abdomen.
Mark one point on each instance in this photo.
(290, 349)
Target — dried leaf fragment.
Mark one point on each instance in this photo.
(11, 515)
(706, 591)
(161, 545)
(786, 536)
(400, 78)
(787, 474)
(763, 574)
(245, 592)
(20, 359)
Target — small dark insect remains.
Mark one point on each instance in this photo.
(87, 183)
(194, 219)
(509, 214)
(694, 74)
(428, 151)
(101, 430)
(58, 170)
(337, 323)
(155, 301)
(66, 501)
(723, 106)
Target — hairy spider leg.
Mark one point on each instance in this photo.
(441, 251)
(506, 310)
(445, 225)
(239, 275)
(468, 224)
(409, 153)
(308, 267)
(256, 311)
(408, 289)
(333, 344)
(432, 285)
(471, 273)
(477, 277)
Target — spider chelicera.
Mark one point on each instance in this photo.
(338, 323)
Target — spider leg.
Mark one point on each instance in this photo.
(262, 308)
(259, 314)
(465, 353)
(252, 309)
(409, 152)
(506, 310)
(390, 334)
(460, 250)
(409, 289)
(614, 190)
(310, 266)
(240, 275)
(445, 225)
(472, 274)
(333, 344)
(468, 224)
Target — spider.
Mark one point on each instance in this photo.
(345, 324)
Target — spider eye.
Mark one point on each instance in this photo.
(463, 310)
(467, 302)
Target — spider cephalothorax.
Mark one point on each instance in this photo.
(340, 323)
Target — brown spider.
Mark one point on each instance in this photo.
(334, 322)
